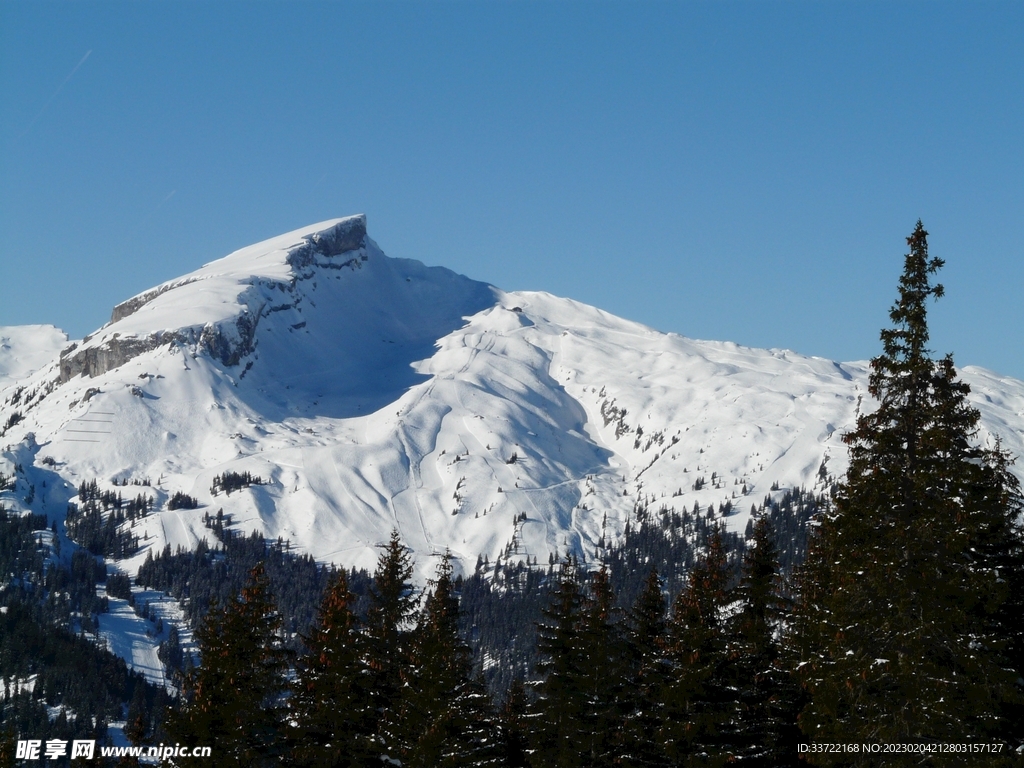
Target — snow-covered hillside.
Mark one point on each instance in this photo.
(24, 349)
(371, 393)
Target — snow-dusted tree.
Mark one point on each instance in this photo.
(386, 646)
(646, 638)
(698, 706)
(446, 717)
(767, 697)
(556, 712)
(234, 701)
(909, 625)
(330, 698)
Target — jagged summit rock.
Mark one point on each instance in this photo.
(222, 324)
(369, 393)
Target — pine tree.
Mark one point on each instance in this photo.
(602, 651)
(558, 709)
(909, 615)
(646, 638)
(767, 698)
(389, 621)
(514, 734)
(8, 748)
(234, 700)
(698, 707)
(446, 716)
(330, 701)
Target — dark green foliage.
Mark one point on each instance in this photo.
(578, 714)
(907, 624)
(235, 699)
(119, 585)
(498, 615)
(559, 705)
(70, 671)
(647, 677)
(233, 481)
(389, 620)
(8, 748)
(205, 575)
(698, 705)
(766, 696)
(182, 501)
(13, 419)
(97, 521)
(330, 699)
(445, 716)
(38, 638)
(514, 731)
(603, 647)
(171, 653)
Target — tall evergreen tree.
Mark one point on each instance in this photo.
(766, 695)
(234, 701)
(600, 729)
(698, 706)
(446, 715)
(905, 629)
(330, 699)
(646, 638)
(514, 734)
(557, 711)
(389, 622)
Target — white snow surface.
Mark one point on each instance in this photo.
(379, 393)
(24, 349)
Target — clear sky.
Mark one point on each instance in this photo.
(725, 170)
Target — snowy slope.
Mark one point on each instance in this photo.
(372, 393)
(24, 349)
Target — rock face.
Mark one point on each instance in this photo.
(227, 339)
(373, 393)
(94, 361)
(347, 235)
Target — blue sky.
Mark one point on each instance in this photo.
(728, 170)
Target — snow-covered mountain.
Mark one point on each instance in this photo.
(24, 349)
(371, 393)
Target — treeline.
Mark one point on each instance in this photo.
(501, 604)
(642, 686)
(96, 522)
(904, 625)
(209, 576)
(55, 683)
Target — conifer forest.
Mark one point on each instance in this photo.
(885, 607)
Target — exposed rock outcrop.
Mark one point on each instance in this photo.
(228, 340)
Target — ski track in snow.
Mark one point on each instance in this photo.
(367, 377)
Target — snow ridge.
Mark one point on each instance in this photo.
(371, 393)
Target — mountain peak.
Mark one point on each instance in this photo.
(218, 306)
(368, 393)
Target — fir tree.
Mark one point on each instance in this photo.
(446, 716)
(8, 748)
(559, 706)
(646, 637)
(389, 621)
(514, 735)
(330, 700)
(698, 706)
(234, 700)
(908, 617)
(766, 696)
(599, 731)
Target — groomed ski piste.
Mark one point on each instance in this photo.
(369, 393)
